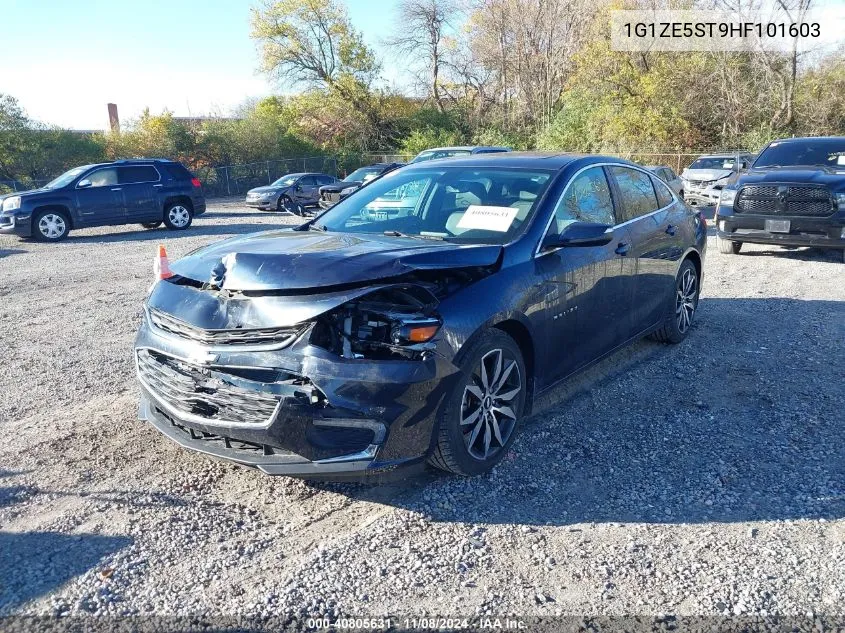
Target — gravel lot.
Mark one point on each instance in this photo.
(701, 479)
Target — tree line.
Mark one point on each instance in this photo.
(524, 73)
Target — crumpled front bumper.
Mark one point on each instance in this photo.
(345, 416)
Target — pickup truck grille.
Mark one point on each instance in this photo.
(202, 391)
(787, 200)
(280, 336)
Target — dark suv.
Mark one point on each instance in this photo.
(147, 191)
(793, 195)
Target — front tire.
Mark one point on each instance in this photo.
(178, 216)
(288, 205)
(683, 306)
(727, 247)
(50, 226)
(478, 420)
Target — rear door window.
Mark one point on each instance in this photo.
(176, 171)
(137, 174)
(637, 192)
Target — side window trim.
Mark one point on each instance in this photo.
(614, 193)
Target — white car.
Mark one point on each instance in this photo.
(668, 175)
(707, 176)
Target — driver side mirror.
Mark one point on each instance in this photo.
(83, 184)
(579, 234)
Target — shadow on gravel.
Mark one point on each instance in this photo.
(146, 235)
(6, 252)
(36, 563)
(804, 254)
(244, 215)
(741, 422)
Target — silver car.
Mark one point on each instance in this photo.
(706, 177)
(668, 175)
(291, 193)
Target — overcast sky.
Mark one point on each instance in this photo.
(65, 60)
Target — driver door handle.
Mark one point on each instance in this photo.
(622, 248)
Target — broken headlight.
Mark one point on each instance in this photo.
(392, 323)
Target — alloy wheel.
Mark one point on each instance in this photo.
(52, 226)
(487, 416)
(179, 216)
(686, 299)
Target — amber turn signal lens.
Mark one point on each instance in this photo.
(421, 334)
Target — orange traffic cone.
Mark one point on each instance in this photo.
(161, 268)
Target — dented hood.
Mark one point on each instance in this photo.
(301, 260)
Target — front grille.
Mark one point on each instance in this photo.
(282, 336)
(202, 391)
(789, 200)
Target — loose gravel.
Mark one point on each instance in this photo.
(701, 479)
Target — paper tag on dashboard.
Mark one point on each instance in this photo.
(488, 218)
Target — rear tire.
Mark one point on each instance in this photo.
(683, 306)
(727, 247)
(178, 216)
(151, 225)
(478, 420)
(50, 225)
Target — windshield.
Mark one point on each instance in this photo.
(285, 181)
(483, 205)
(67, 177)
(713, 162)
(362, 173)
(432, 154)
(824, 152)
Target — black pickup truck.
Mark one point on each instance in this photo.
(792, 195)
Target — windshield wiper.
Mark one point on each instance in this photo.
(394, 233)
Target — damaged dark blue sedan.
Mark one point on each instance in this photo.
(418, 319)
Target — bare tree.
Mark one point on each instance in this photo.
(422, 27)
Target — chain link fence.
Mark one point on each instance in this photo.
(236, 180)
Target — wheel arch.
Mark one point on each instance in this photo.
(695, 257)
(519, 330)
(52, 206)
(178, 199)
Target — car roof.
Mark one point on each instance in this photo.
(465, 148)
(725, 155)
(525, 160)
(300, 174)
(804, 139)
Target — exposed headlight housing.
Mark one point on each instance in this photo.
(840, 201)
(727, 197)
(348, 190)
(10, 204)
